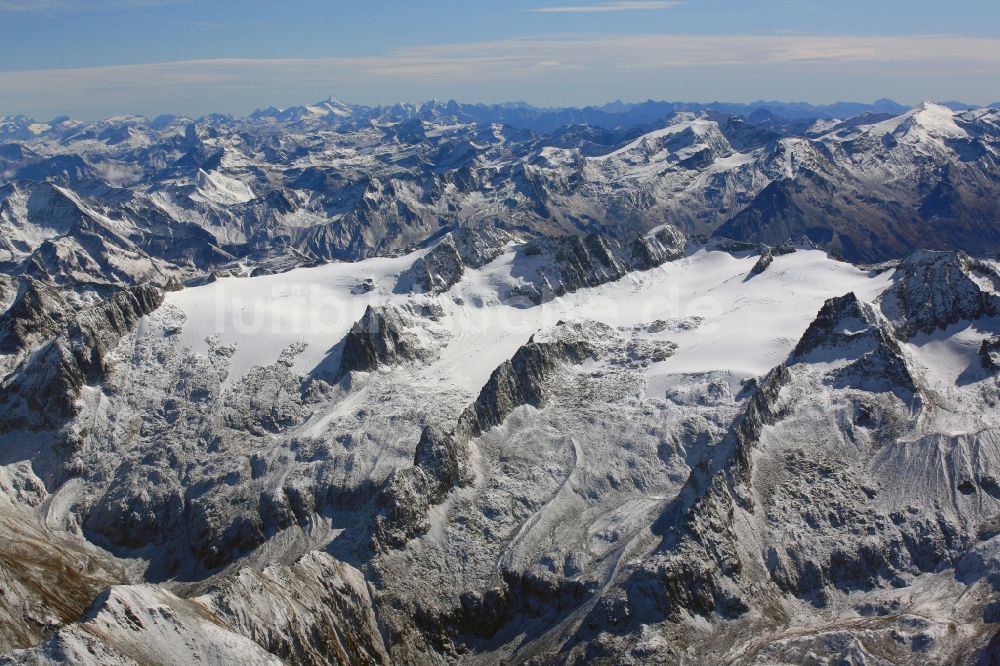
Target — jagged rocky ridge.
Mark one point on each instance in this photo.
(46, 388)
(938, 289)
(443, 267)
(388, 335)
(813, 549)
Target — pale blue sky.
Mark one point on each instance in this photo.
(92, 58)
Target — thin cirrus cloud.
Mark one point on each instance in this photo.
(79, 5)
(605, 7)
(556, 70)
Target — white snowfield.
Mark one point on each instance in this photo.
(721, 321)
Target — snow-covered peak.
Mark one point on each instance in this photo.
(686, 136)
(126, 119)
(218, 188)
(330, 106)
(927, 121)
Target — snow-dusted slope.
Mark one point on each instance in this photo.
(562, 450)
(528, 421)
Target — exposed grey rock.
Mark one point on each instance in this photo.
(440, 465)
(444, 265)
(933, 290)
(989, 353)
(555, 266)
(444, 458)
(363, 287)
(385, 336)
(38, 313)
(438, 270)
(766, 257)
(521, 381)
(316, 611)
(849, 328)
(478, 246)
(403, 504)
(44, 390)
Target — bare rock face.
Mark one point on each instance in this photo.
(989, 353)
(403, 504)
(386, 335)
(666, 244)
(849, 328)
(316, 611)
(37, 313)
(439, 269)
(569, 263)
(766, 257)
(444, 459)
(479, 246)
(934, 290)
(444, 265)
(440, 465)
(45, 389)
(522, 380)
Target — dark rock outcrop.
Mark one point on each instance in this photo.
(444, 458)
(380, 337)
(440, 464)
(761, 410)
(443, 267)
(438, 270)
(38, 313)
(989, 353)
(934, 290)
(847, 328)
(479, 246)
(45, 389)
(569, 263)
(766, 257)
(520, 381)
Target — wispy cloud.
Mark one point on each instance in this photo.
(544, 70)
(80, 5)
(605, 7)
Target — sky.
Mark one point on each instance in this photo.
(95, 58)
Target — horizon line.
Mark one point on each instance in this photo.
(598, 106)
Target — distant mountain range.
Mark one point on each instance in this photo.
(613, 115)
(127, 199)
(616, 114)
